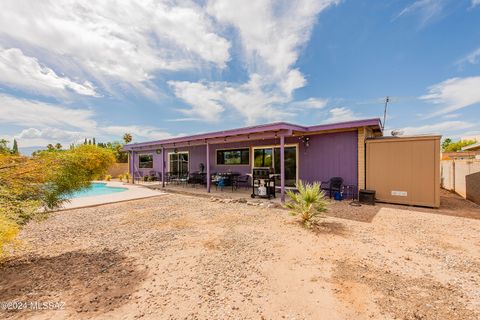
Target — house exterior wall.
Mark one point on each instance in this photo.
(328, 155)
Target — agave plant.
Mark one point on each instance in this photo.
(309, 203)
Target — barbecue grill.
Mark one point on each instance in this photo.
(263, 185)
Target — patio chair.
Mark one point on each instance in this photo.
(239, 181)
(171, 177)
(152, 176)
(183, 178)
(195, 178)
(334, 185)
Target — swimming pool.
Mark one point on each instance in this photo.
(97, 189)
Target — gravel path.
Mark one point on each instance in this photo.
(183, 257)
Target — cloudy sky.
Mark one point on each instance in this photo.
(75, 69)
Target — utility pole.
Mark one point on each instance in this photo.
(387, 100)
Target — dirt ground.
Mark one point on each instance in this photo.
(183, 257)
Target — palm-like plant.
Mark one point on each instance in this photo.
(309, 203)
(127, 137)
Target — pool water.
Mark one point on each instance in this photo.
(97, 189)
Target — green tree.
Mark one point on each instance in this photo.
(93, 141)
(15, 147)
(50, 147)
(4, 149)
(449, 146)
(446, 143)
(309, 203)
(30, 185)
(58, 146)
(85, 141)
(127, 138)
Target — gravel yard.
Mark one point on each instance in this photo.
(184, 257)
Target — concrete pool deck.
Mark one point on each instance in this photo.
(133, 192)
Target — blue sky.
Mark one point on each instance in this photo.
(157, 69)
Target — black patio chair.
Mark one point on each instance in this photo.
(240, 181)
(195, 178)
(152, 176)
(334, 185)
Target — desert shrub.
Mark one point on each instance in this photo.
(108, 177)
(31, 185)
(8, 231)
(121, 177)
(309, 203)
(127, 176)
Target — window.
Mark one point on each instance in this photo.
(262, 158)
(178, 162)
(270, 157)
(145, 161)
(234, 156)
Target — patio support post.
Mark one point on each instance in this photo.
(163, 167)
(282, 168)
(132, 164)
(208, 167)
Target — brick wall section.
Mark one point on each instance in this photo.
(361, 158)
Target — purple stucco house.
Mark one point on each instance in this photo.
(313, 153)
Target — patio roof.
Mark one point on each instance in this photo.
(264, 131)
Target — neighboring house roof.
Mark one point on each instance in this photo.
(263, 131)
(458, 155)
(472, 147)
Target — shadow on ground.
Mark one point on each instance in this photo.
(327, 227)
(360, 213)
(451, 204)
(403, 297)
(86, 282)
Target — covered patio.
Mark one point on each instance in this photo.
(291, 153)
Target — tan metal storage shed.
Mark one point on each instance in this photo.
(404, 170)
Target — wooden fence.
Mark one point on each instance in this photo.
(118, 169)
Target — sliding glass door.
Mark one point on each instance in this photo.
(178, 163)
(270, 157)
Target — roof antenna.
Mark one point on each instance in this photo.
(387, 100)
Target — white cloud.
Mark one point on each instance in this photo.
(271, 32)
(310, 103)
(139, 133)
(438, 128)
(341, 114)
(426, 9)
(20, 71)
(112, 41)
(475, 3)
(204, 99)
(24, 112)
(51, 134)
(250, 100)
(45, 123)
(472, 58)
(271, 35)
(454, 94)
(452, 116)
